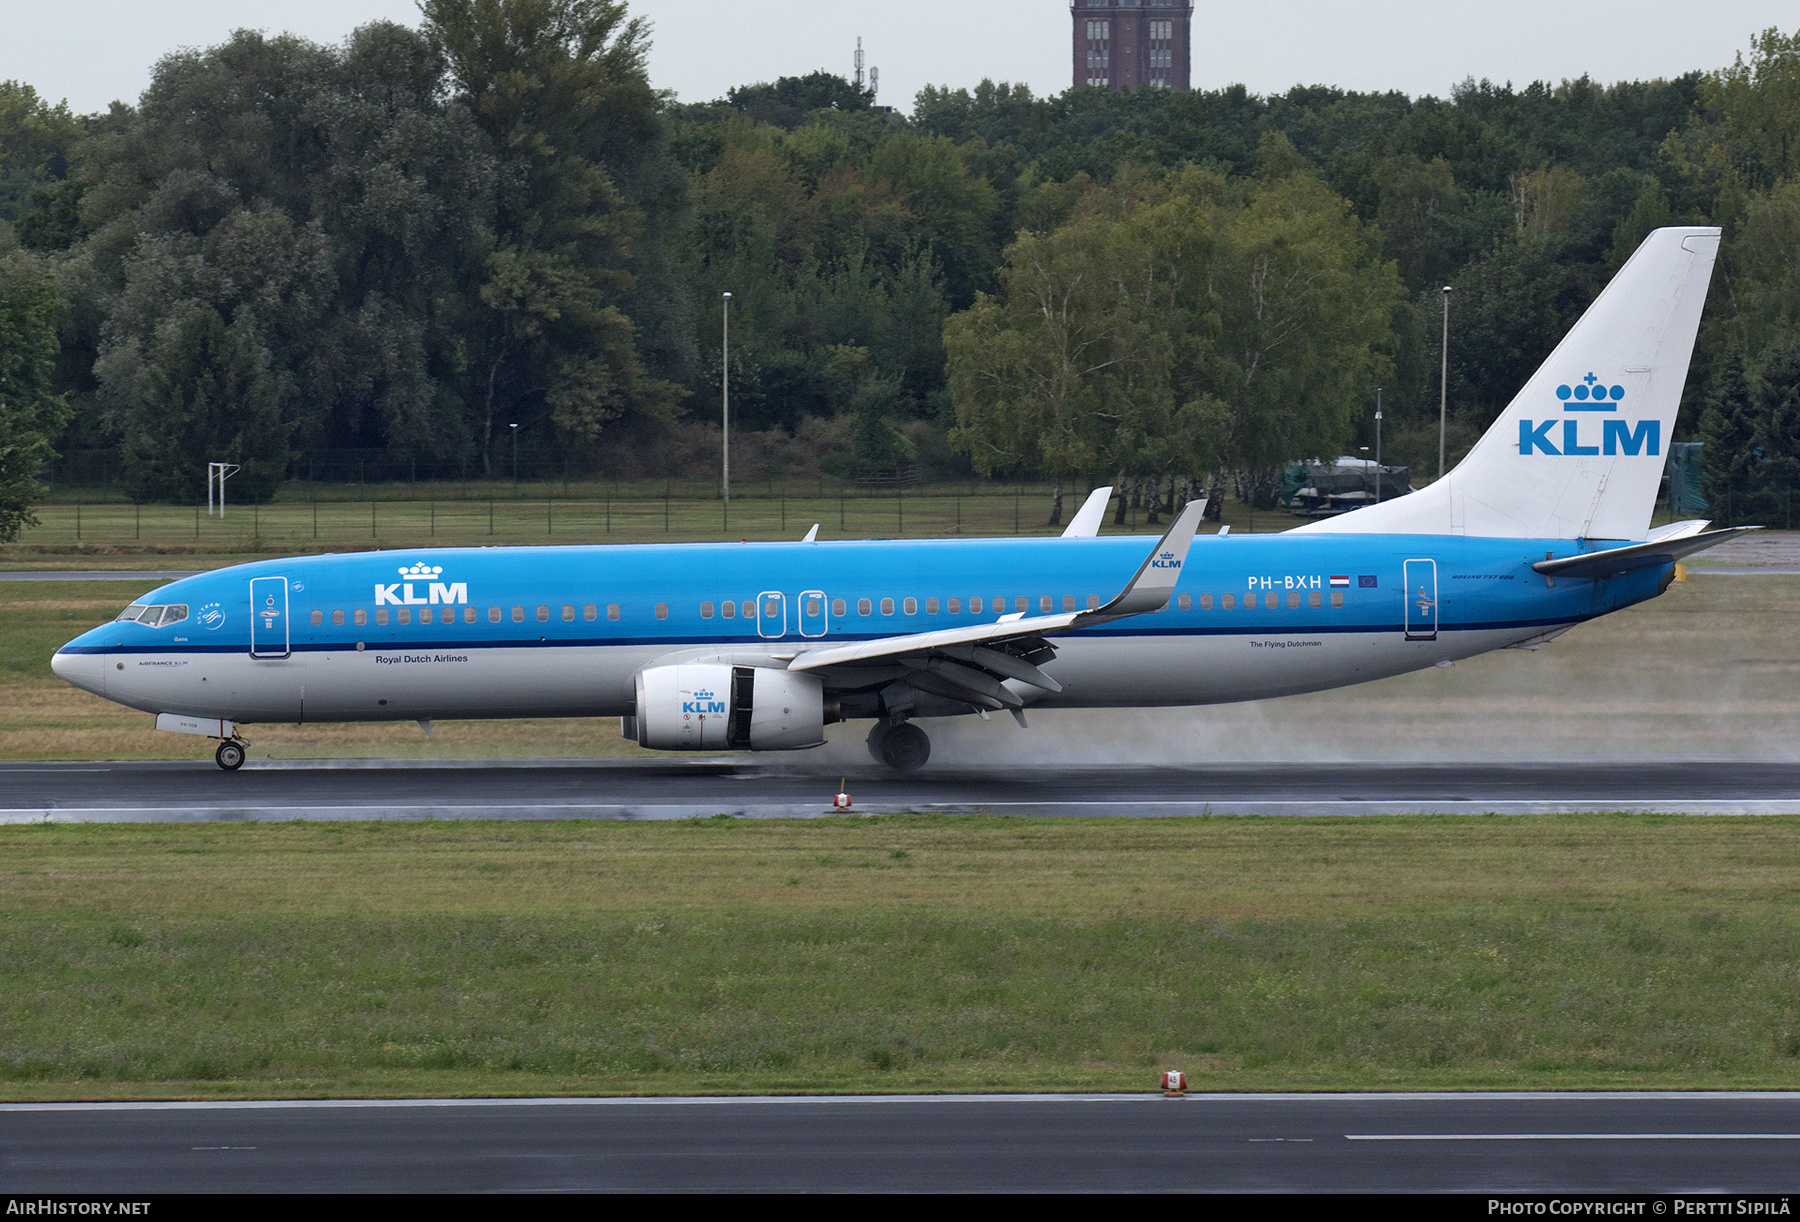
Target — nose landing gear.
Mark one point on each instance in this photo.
(230, 755)
(900, 745)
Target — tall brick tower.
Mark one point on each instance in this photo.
(1132, 44)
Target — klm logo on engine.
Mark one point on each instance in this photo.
(401, 594)
(1576, 437)
(703, 703)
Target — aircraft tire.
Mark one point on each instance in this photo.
(905, 748)
(877, 733)
(230, 755)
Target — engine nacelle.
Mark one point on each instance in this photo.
(712, 706)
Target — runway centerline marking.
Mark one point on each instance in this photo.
(1572, 1137)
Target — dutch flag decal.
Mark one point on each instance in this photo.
(1340, 581)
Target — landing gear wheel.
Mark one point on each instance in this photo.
(230, 755)
(877, 733)
(905, 747)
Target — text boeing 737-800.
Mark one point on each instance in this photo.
(761, 646)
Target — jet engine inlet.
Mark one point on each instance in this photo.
(711, 706)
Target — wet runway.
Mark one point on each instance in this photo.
(1487, 1143)
(752, 788)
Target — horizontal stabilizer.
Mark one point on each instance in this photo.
(1638, 555)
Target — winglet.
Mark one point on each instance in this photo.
(812, 536)
(1154, 582)
(1086, 522)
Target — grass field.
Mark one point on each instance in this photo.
(898, 954)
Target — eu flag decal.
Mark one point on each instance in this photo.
(1365, 581)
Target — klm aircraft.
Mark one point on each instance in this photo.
(761, 646)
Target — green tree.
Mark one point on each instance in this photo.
(30, 412)
(1730, 462)
(559, 89)
(1759, 102)
(206, 396)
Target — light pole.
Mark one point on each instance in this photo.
(515, 433)
(725, 400)
(1444, 382)
(1378, 391)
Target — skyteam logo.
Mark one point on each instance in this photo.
(211, 617)
(1590, 394)
(401, 594)
(703, 703)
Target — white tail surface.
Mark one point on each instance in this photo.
(1579, 452)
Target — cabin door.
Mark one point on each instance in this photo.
(815, 616)
(771, 614)
(269, 617)
(1421, 600)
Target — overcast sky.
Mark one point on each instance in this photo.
(92, 51)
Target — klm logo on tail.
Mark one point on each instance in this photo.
(1630, 437)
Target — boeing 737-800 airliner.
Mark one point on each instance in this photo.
(760, 646)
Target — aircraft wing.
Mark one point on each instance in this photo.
(1086, 522)
(967, 663)
(1638, 555)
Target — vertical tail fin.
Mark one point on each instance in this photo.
(1579, 452)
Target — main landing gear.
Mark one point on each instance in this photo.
(230, 755)
(900, 745)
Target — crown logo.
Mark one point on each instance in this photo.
(420, 572)
(1589, 388)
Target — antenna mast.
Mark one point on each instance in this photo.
(859, 62)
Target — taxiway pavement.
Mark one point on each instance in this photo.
(1487, 1143)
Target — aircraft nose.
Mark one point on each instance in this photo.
(80, 668)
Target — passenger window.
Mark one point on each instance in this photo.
(1337, 598)
(318, 617)
(706, 610)
(1313, 599)
(404, 616)
(590, 613)
(337, 617)
(955, 607)
(612, 610)
(863, 606)
(1185, 602)
(975, 605)
(362, 616)
(837, 607)
(1206, 602)
(887, 606)
(1021, 603)
(910, 606)
(468, 615)
(518, 615)
(1093, 602)
(662, 610)
(1293, 599)
(729, 609)
(543, 614)
(812, 606)
(381, 617)
(1045, 604)
(1269, 600)
(749, 610)
(568, 613)
(1068, 602)
(424, 615)
(771, 610)
(493, 615)
(1228, 601)
(931, 606)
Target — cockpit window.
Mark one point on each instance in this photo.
(155, 617)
